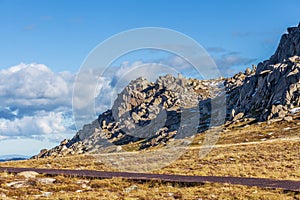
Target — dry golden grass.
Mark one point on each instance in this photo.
(243, 149)
(76, 188)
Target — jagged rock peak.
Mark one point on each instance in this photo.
(289, 45)
(273, 91)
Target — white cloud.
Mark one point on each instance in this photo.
(33, 87)
(43, 123)
(32, 81)
(35, 102)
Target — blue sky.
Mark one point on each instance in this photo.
(61, 33)
(51, 38)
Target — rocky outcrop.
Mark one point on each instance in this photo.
(155, 113)
(151, 112)
(273, 90)
(269, 93)
(289, 46)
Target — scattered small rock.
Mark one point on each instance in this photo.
(238, 116)
(46, 194)
(286, 129)
(119, 148)
(2, 195)
(28, 174)
(131, 188)
(170, 194)
(288, 118)
(17, 184)
(46, 180)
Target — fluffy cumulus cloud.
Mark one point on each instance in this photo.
(33, 87)
(33, 100)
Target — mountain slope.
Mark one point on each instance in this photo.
(153, 114)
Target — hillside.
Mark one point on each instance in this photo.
(154, 114)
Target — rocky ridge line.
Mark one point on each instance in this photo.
(152, 112)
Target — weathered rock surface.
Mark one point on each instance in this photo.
(157, 112)
(273, 90)
(28, 174)
(149, 111)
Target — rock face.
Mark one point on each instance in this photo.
(155, 113)
(274, 88)
(289, 46)
(148, 111)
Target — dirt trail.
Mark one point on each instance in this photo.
(288, 185)
(259, 182)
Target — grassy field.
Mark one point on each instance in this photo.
(76, 188)
(244, 149)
